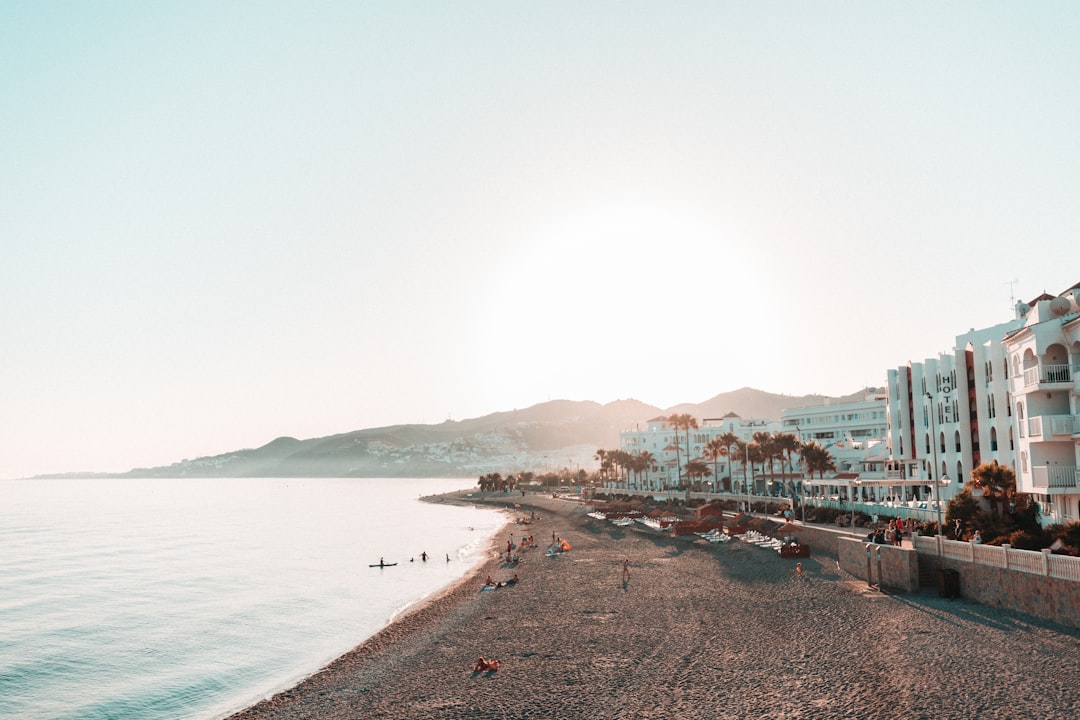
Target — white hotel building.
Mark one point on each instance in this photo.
(989, 401)
(1044, 361)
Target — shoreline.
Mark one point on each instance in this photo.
(406, 621)
(698, 631)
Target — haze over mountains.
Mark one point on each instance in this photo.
(547, 436)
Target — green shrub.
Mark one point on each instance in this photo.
(1027, 540)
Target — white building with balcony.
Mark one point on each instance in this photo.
(1044, 360)
(1007, 393)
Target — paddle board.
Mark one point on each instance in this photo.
(382, 565)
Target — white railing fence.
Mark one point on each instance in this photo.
(1035, 562)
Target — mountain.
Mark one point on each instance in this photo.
(548, 436)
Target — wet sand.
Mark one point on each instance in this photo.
(699, 631)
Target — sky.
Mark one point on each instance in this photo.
(222, 223)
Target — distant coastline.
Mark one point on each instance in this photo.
(547, 436)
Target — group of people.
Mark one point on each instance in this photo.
(892, 534)
(490, 583)
(513, 558)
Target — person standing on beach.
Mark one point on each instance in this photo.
(626, 571)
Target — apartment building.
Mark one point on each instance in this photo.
(1044, 360)
(1006, 393)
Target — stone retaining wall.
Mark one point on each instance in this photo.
(1049, 598)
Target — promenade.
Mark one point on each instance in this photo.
(699, 631)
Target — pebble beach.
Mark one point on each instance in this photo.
(699, 630)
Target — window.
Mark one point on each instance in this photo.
(993, 439)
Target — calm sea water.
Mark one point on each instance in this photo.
(165, 599)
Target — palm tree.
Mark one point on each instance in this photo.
(680, 422)
(648, 461)
(768, 452)
(816, 459)
(787, 445)
(728, 442)
(714, 450)
(620, 459)
(696, 469)
(755, 453)
(605, 464)
(998, 485)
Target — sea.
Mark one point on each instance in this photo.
(194, 598)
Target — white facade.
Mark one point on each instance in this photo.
(1008, 393)
(1044, 361)
(839, 424)
(658, 438)
(948, 414)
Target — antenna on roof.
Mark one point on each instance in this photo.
(1012, 295)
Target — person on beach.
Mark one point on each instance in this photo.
(447, 557)
(626, 571)
(423, 556)
(483, 665)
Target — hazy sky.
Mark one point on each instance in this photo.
(226, 222)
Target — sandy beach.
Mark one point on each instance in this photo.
(698, 631)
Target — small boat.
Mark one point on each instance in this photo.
(382, 565)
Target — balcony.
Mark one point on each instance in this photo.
(1055, 476)
(1047, 374)
(1046, 427)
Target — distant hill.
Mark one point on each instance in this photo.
(551, 435)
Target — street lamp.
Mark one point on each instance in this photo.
(745, 484)
(943, 482)
(852, 489)
(802, 482)
(731, 466)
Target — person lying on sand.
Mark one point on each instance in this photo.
(483, 665)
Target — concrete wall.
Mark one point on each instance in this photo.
(899, 566)
(822, 541)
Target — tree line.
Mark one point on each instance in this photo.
(763, 449)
